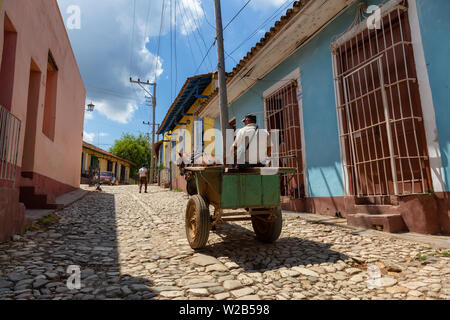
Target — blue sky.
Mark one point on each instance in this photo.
(118, 39)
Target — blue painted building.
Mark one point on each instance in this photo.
(360, 93)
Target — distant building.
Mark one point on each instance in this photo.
(42, 98)
(93, 158)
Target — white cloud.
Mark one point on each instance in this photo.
(103, 134)
(88, 137)
(146, 58)
(108, 55)
(191, 14)
(108, 58)
(116, 110)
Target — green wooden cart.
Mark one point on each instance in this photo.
(257, 190)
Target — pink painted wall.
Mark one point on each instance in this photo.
(40, 28)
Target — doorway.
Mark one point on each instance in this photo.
(122, 174)
(34, 86)
(381, 122)
(282, 113)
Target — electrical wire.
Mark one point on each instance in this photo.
(189, 46)
(187, 28)
(171, 46)
(226, 27)
(159, 39)
(280, 9)
(196, 28)
(146, 32)
(132, 35)
(176, 56)
(204, 57)
(206, 17)
(236, 15)
(110, 92)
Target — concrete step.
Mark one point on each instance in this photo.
(392, 223)
(376, 209)
(31, 200)
(63, 201)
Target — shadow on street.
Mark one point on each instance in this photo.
(240, 245)
(85, 236)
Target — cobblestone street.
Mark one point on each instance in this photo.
(133, 246)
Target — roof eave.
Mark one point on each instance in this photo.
(180, 94)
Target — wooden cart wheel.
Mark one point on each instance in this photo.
(197, 222)
(268, 230)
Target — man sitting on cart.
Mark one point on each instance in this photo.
(250, 140)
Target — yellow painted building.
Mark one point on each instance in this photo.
(93, 157)
(182, 130)
(174, 138)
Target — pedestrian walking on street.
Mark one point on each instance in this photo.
(143, 178)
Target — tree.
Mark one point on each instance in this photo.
(134, 149)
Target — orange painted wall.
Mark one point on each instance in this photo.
(40, 28)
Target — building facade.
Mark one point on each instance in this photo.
(94, 159)
(41, 87)
(183, 130)
(361, 105)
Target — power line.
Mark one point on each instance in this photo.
(198, 24)
(206, 17)
(176, 56)
(190, 47)
(204, 58)
(159, 36)
(188, 26)
(281, 8)
(110, 92)
(100, 125)
(171, 46)
(195, 28)
(228, 24)
(146, 20)
(236, 15)
(132, 35)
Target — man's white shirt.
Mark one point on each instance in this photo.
(142, 172)
(251, 143)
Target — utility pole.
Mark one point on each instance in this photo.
(223, 99)
(142, 84)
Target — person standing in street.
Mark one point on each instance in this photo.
(143, 178)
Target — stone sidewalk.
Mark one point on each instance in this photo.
(133, 246)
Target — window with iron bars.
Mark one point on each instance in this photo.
(379, 109)
(9, 145)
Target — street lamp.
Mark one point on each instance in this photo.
(91, 107)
